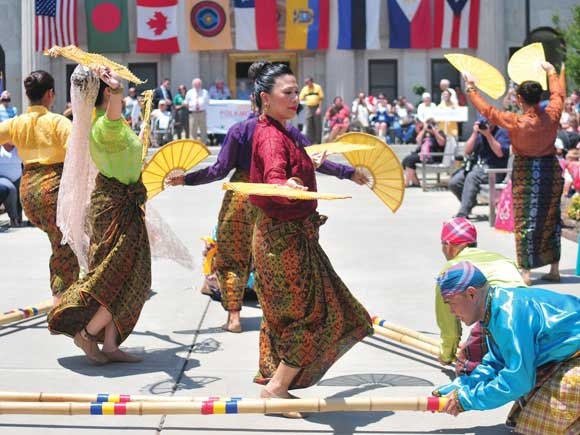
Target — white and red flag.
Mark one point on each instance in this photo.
(256, 25)
(157, 26)
(456, 23)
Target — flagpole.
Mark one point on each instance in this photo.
(28, 56)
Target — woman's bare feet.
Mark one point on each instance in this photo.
(89, 346)
(233, 323)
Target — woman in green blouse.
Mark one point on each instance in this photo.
(104, 305)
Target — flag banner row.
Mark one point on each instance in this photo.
(415, 24)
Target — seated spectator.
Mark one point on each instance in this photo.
(571, 169)
(568, 113)
(361, 111)
(383, 117)
(487, 147)
(10, 174)
(219, 91)
(7, 110)
(404, 122)
(429, 140)
(426, 107)
(243, 92)
(162, 123)
(568, 134)
(337, 116)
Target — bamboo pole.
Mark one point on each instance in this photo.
(24, 313)
(12, 396)
(405, 339)
(406, 331)
(245, 406)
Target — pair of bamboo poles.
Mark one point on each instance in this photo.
(392, 331)
(121, 404)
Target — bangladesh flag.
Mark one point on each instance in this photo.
(107, 26)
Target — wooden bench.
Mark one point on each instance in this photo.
(447, 165)
(490, 193)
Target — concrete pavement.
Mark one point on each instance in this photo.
(389, 261)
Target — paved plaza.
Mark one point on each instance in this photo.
(389, 261)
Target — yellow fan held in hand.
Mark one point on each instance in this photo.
(175, 158)
(337, 148)
(92, 60)
(526, 64)
(380, 165)
(265, 189)
(487, 78)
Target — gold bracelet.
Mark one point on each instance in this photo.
(552, 73)
(470, 88)
(117, 91)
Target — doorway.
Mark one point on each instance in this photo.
(238, 65)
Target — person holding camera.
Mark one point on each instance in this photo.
(361, 112)
(487, 147)
(429, 140)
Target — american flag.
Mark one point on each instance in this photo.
(55, 23)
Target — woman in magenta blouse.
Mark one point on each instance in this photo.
(310, 318)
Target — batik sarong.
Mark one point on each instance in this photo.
(119, 261)
(39, 194)
(553, 406)
(310, 318)
(233, 258)
(537, 187)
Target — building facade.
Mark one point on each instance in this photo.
(503, 28)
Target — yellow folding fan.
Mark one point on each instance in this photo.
(380, 164)
(175, 158)
(337, 147)
(487, 78)
(265, 189)
(92, 60)
(526, 64)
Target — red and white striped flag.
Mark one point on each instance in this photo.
(55, 23)
(456, 23)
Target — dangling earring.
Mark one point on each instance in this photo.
(265, 109)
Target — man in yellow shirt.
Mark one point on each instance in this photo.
(41, 139)
(459, 243)
(313, 95)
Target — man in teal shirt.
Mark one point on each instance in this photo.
(533, 336)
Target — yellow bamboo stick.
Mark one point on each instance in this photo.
(406, 331)
(24, 313)
(245, 406)
(405, 339)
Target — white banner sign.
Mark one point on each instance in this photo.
(457, 114)
(222, 114)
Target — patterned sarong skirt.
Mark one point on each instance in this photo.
(310, 318)
(553, 406)
(39, 195)
(233, 259)
(537, 188)
(119, 261)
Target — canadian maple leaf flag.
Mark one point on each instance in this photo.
(157, 26)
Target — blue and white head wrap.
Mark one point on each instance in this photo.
(458, 278)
